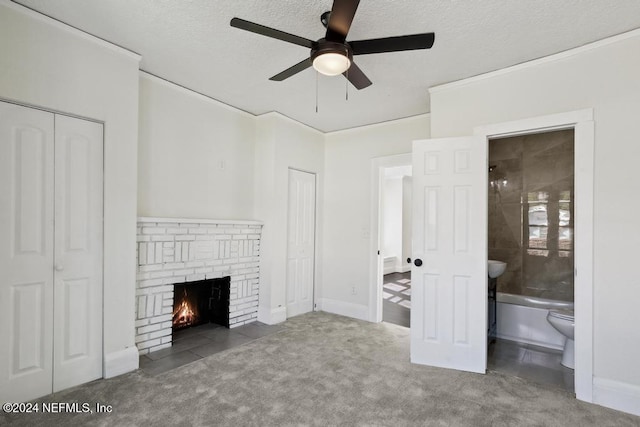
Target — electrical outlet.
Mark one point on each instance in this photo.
(354, 291)
(365, 233)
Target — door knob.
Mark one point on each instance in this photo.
(59, 267)
(417, 262)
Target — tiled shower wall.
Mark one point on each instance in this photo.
(531, 216)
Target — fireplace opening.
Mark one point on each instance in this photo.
(200, 302)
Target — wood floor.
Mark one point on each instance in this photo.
(396, 304)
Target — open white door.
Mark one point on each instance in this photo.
(449, 275)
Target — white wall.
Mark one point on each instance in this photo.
(46, 64)
(392, 218)
(282, 143)
(396, 220)
(347, 208)
(604, 77)
(196, 155)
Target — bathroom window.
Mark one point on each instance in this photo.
(538, 219)
(565, 229)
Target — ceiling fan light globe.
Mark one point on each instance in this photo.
(331, 63)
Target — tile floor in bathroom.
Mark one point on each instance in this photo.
(537, 364)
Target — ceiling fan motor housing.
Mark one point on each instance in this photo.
(323, 46)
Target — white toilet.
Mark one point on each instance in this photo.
(564, 322)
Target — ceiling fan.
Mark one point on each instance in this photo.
(333, 55)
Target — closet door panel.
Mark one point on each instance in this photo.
(78, 252)
(26, 252)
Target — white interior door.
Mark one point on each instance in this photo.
(449, 288)
(301, 242)
(26, 252)
(78, 252)
(50, 252)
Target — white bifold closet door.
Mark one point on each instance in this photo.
(51, 208)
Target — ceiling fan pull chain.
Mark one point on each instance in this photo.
(346, 86)
(316, 92)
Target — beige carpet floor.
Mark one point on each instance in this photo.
(322, 370)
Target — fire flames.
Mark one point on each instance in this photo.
(183, 314)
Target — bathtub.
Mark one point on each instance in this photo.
(524, 319)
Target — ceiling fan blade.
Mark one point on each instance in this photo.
(340, 19)
(393, 44)
(302, 65)
(271, 32)
(357, 78)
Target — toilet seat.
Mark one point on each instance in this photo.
(562, 314)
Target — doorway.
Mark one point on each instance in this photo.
(450, 245)
(391, 218)
(581, 122)
(395, 241)
(531, 201)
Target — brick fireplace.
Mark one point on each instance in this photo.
(172, 251)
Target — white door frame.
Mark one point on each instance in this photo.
(582, 123)
(375, 259)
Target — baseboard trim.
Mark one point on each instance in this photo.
(528, 341)
(396, 269)
(617, 395)
(120, 362)
(272, 316)
(343, 308)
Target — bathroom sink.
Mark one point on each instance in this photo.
(496, 268)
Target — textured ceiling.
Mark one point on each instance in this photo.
(190, 42)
